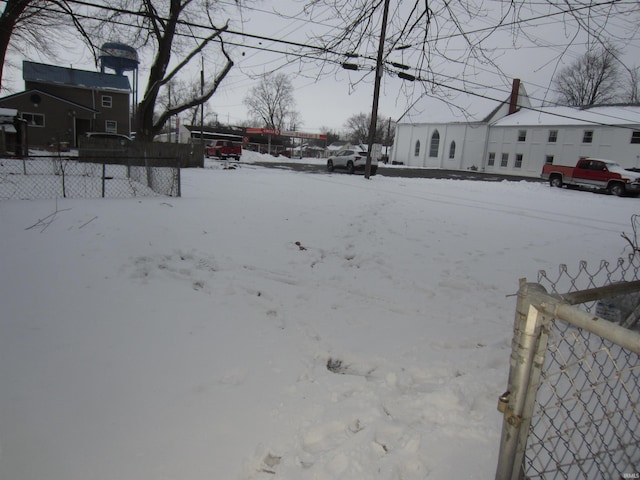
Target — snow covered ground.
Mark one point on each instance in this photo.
(274, 325)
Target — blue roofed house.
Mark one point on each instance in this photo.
(60, 104)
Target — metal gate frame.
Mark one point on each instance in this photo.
(536, 310)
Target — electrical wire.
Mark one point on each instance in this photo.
(332, 56)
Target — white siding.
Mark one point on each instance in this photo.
(469, 140)
(608, 142)
(474, 143)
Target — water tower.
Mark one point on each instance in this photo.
(121, 58)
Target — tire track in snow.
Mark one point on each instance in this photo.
(487, 206)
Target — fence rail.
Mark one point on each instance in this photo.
(572, 406)
(68, 177)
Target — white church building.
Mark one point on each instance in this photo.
(518, 139)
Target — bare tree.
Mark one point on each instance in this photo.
(179, 33)
(181, 91)
(163, 33)
(332, 136)
(23, 24)
(632, 89)
(591, 80)
(441, 48)
(271, 102)
(420, 38)
(357, 129)
(14, 13)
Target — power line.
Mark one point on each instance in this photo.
(200, 26)
(535, 109)
(321, 53)
(325, 50)
(227, 42)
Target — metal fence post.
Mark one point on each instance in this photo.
(103, 177)
(515, 403)
(179, 178)
(571, 409)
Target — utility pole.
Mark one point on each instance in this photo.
(202, 103)
(170, 118)
(376, 88)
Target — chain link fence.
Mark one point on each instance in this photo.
(68, 177)
(572, 407)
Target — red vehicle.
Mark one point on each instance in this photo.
(595, 174)
(223, 149)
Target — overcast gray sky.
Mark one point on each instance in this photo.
(328, 96)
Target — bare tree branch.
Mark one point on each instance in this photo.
(435, 38)
(196, 100)
(23, 23)
(592, 79)
(272, 103)
(216, 34)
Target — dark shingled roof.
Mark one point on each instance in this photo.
(38, 72)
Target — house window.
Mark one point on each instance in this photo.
(492, 159)
(548, 159)
(553, 136)
(522, 135)
(435, 144)
(416, 152)
(111, 126)
(518, 163)
(587, 137)
(452, 150)
(635, 136)
(107, 101)
(33, 119)
(505, 160)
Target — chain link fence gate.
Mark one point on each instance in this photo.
(572, 406)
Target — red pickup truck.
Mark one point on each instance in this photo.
(223, 149)
(596, 174)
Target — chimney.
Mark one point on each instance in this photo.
(513, 101)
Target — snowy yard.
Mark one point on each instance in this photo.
(275, 325)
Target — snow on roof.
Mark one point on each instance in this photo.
(459, 109)
(8, 112)
(212, 135)
(336, 146)
(603, 115)
(468, 108)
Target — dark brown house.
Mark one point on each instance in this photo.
(61, 104)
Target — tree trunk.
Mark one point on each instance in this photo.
(144, 121)
(8, 20)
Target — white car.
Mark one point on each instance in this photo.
(351, 161)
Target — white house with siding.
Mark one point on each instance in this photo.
(518, 139)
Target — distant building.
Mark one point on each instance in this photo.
(336, 147)
(518, 139)
(61, 104)
(9, 134)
